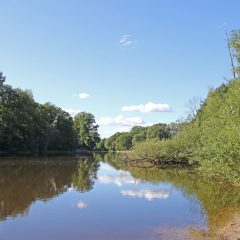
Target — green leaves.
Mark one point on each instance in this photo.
(126, 141)
(87, 130)
(26, 126)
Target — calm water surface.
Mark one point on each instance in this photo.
(96, 198)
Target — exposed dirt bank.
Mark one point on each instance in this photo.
(231, 231)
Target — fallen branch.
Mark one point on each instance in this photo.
(148, 162)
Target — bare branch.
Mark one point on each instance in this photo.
(231, 58)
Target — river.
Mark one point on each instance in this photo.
(76, 197)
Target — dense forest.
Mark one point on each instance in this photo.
(27, 126)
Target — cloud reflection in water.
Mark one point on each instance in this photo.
(119, 179)
(146, 193)
(81, 204)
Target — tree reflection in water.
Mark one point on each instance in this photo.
(23, 181)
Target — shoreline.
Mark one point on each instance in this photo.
(231, 231)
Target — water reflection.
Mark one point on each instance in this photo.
(167, 203)
(82, 204)
(219, 202)
(23, 181)
(146, 193)
(119, 178)
(85, 174)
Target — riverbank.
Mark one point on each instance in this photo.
(47, 153)
(231, 231)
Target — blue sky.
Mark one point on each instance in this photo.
(148, 57)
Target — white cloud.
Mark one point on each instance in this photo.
(146, 193)
(84, 95)
(71, 111)
(118, 179)
(81, 204)
(126, 40)
(148, 107)
(121, 121)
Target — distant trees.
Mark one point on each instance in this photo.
(158, 131)
(127, 140)
(27, 126)
(124, 142)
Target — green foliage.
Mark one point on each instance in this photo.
(2, 79)
(218, 146)
(211, 137)
(100, 146)
(26, 126)
(110, 143)
(85, 175)
(126, 141)
(87, 130)
(61, 134)
(18, 120)
(158, 131)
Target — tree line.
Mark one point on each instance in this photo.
(123, 141)
(27, 126)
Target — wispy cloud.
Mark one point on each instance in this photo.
(72, 112)
(148, 107)
(146, 193)
(84, 95)
(120, 120)
(127, 40)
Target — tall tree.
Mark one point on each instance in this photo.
(61, 133)
(87, 130)
(28, 126)
(18, 115)
(2, 79)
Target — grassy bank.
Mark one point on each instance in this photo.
(211, 139)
